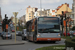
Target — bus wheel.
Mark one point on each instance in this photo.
(53, 41)
(28, 40)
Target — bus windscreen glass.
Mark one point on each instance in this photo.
(45, 26)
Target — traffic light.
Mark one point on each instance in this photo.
(61, 20)
(5, 23)
(62, 12)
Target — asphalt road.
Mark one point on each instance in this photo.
(29, 45)
(0, 29)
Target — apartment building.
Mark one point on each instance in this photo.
(30, 13)
(40, 12)
(51, 12)
(63, 7)
(23, 18)
(47, 12)
(73, 10)
(0, 15)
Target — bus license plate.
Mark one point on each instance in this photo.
(48, 39)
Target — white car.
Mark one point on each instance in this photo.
(24, 34)
(72, 33)
(6, 35)
(19, 33)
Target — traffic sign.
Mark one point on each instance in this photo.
(15, 13)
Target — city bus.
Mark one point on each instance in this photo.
(43, 29)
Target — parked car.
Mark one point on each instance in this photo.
(72, 33)
(24, 34)
(68, 33)
(0, 33)
(19, 33)
(0, 24)
(12, 29)
(6, 35)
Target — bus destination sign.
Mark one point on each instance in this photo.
(41, 19)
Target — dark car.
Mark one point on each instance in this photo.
(12, 29)
(68, 33)
(72, 33)
(19, 33)
(0, 33)
(24, 34)
(0, 24)
(6, 35)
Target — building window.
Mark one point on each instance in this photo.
(47, 11)
(48, 14)
(29, 16)
(29, 13)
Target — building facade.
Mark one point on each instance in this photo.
(51, 12)
(23, 18)
(0, 15)
(40, 12)
(63, 7)
(30, 13)
(73, 10)
(47, 12)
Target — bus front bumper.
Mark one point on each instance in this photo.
(48, 39)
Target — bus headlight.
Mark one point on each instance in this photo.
(38, 35)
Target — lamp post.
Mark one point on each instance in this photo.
(66, 19)
(40, 7)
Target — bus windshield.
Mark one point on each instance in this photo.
(48, 26)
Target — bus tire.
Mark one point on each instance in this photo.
(28, 40)
(53, 41)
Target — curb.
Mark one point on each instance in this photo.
(63, 39)
(12, 44)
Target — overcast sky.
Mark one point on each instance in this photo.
(10, 6)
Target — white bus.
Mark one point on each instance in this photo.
(43, 29)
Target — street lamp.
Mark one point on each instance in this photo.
(40, 7)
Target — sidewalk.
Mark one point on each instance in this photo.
(10, 42)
